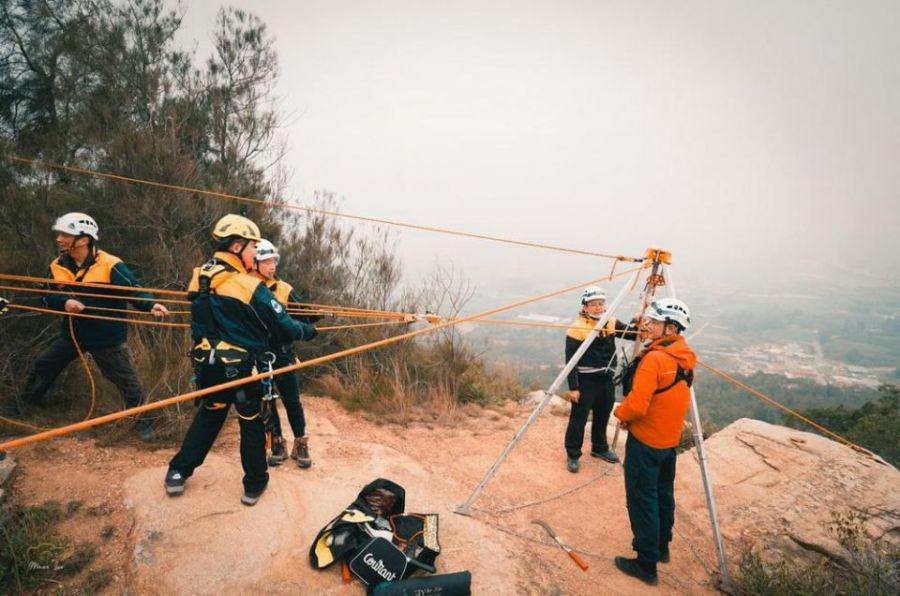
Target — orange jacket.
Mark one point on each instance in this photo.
(656, 419)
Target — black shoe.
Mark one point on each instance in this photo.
(646, 572)
(145, 430)
(11, 409)
(250, 498)
(664, 555)
(174, 482)
(572, 465)
(607, 455)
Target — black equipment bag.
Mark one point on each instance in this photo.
(378, 561)
(416, 534)
(450, 584)
(346, 534)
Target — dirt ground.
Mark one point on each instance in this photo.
(205, 542)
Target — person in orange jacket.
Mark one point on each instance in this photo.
(653, 411)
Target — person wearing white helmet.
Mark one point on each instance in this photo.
(653, 412)
(81, 261)
(267, 259)
(234, 316)
(591, 387)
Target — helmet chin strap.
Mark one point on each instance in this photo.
(75, 246)
(244, 245)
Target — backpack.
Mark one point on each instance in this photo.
(627, 377)
(377, 512)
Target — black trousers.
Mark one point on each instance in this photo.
(211, 416)
(598, 394)
(289, 388)
(114, 363)
(650, 496)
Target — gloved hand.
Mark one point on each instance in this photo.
(309, 332)
(4, 306)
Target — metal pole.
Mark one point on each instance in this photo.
(710, 498)
(697, 433)
(548, 394)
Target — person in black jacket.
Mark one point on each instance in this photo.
(288, 384)
(234, 318)
(591, 387)
(81, 261)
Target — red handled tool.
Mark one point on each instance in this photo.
(575, 556)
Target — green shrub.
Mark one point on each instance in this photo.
(29, 549)
(870, 567)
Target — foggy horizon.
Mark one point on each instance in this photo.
(752, 141)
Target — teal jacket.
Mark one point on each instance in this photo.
(245, 313)
(101, 268)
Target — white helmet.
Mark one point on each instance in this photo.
(77, 224)
(592, 293)
(670, 310)
(265, 250)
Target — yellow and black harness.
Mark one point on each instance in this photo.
(212, 349)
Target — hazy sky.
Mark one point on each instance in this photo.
(742, 136)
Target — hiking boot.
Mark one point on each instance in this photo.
(174, 482)
(144, 430)
(607, 455)
(300, 452)
(646, 572)
(664, 555)
(251, 497)
(572, 465)
(279, 453)
(11, 409)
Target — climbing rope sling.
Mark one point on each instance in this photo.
(56, 432)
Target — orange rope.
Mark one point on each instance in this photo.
(99, 317)
(285, 205)
(358, 325)
(166, 324)
(77, 293)
(331, 308)
(136, 312)
(312, 308)
(516, 323)
(349, 315)
(85, 284)
(320, 328)
(43, 436)
(793, 413)
(87, 369)
(15, 422)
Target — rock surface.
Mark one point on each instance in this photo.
(779, 489)
(776, 488)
